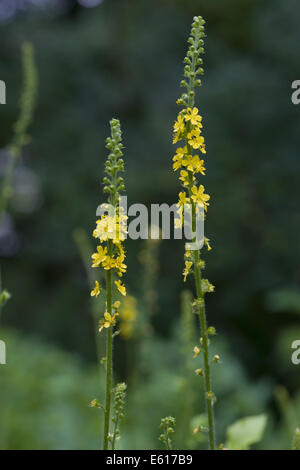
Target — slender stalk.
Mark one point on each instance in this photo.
(203, 325)
(113, 443)
(109, 339)
(188, 128)
(110, 255)
(167, 425)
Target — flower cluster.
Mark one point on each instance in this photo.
(118, 408)
(111, 227)
(188, 132)
(167, 425)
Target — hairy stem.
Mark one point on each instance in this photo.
(208, 392)
(108, 362)
(115, 434)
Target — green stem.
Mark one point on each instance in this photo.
(203, 325)
(167, 439)
(200, 294)
(115, 434)
(207, 375)
(108, 361)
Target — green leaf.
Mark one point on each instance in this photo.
(245, 432)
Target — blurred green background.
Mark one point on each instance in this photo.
(123, 58)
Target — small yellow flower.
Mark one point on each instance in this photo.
(108, 320)
(207, 243)
(183, 199)
(186, 271)
(178, 222)
(109, 263)
(196, 351)
(121, 288)
(199, 196)
(99, 257)
(198, 165)
(186, 161)
(184, 177)
(179, 125)
(96, 290)
(120, 266)
(116, 304)
(196, 140)
(207, 286)
(177, 159)
(193, 116)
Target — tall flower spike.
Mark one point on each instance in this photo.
(20, 137)
(111, 229)
(188, 131)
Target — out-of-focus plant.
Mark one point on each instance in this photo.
(41, 405)
(188, 131)
(85, 250)
(110, 230)
(296, 440)
(128, 317)
(149, 259)
(20, 137)
(245, 432)
(167, 425)
(118, 412)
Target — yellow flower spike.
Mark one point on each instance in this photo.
(199, 196)
(186, 271)
(96, 291)
(121, 288)
(190, 165)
